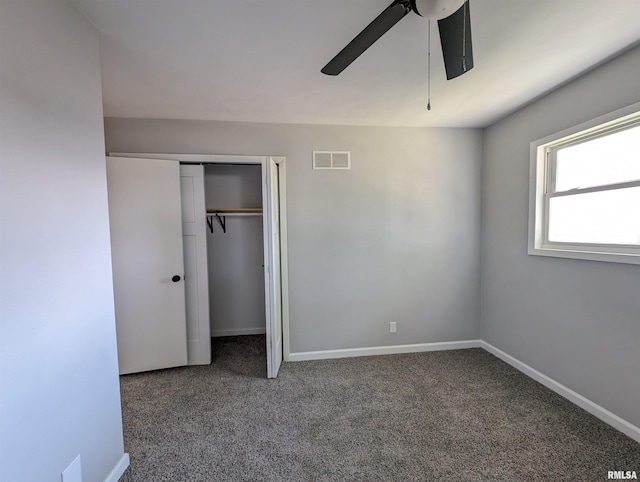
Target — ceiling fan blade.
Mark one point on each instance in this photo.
(455, 37)
(376, 29)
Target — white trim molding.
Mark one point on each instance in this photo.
(542, 162)
(195, 158)
(383, 350)
(284, 250)
(119, 469)
(594, 409)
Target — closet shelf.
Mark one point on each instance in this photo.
(221, 215)
(235, 211)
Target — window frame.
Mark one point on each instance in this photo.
(542, 189)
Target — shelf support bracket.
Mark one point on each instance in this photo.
(222, 220)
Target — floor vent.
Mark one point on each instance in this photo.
(331, 160)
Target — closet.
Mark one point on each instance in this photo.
(231, 277)
(235, 249)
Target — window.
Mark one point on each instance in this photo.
(585, 190)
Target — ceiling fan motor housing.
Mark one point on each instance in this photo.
(436, 9)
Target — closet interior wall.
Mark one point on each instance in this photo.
(235, 257)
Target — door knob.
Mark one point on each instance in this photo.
(175, 279)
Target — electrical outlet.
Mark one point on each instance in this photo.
(73, 473)
(392, 327)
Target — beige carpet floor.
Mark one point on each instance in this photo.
(438, 416)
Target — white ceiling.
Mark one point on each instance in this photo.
(260, 60)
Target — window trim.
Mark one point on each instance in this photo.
(540, 177)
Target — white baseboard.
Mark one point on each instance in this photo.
(238, 332)
(594, 409)
(382, 350)
(119, 469)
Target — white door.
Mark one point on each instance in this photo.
(196, 278)
(148, 268)
(272, 270)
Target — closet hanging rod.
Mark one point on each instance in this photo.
(221, 216)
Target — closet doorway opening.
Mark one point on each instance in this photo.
(235, 248)
(235, 252)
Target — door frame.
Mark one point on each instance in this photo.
(263, 161)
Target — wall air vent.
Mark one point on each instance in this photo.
(331, 160)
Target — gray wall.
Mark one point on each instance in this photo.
(394, 239)
(235, 258)
(575, 321)
(59, 389)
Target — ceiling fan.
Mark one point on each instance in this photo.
(453, 23)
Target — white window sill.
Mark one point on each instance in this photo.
(586, 254)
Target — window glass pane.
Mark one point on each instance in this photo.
(605, 160)
(605, 217)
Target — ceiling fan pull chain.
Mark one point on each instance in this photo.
(429, 67)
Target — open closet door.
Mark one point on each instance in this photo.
(148, 268)
(272, 269)
(196, 278)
